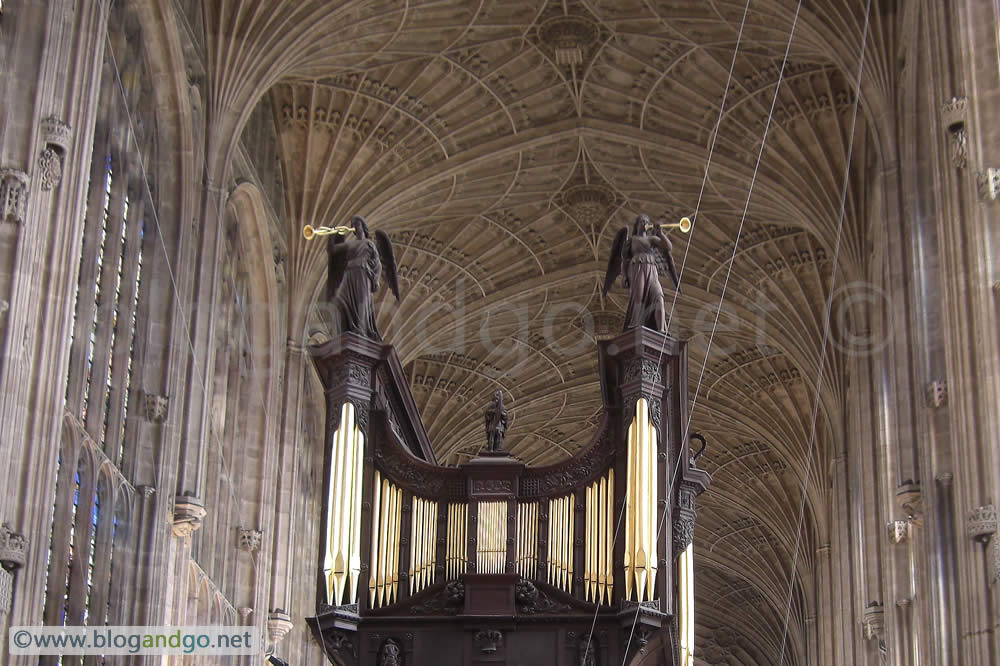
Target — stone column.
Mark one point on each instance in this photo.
(54, 49)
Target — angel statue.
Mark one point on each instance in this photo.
(636, 259)
(355, 265)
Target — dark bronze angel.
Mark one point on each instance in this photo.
(635, 258)
(355, 267)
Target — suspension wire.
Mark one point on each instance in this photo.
(826, 331)
(237, 504)
(680, 277)
(725, 285)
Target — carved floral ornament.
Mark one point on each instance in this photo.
(56, 137)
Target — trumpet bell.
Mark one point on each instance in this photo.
(684, 225)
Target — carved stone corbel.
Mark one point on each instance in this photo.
(188, 514)
(982, 527)
(13, 195)
(279, 623)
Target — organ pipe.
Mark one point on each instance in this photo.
(598, 577)
(342, 555)
(383, 581)
(640, 503)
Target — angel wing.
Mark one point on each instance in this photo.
(336, 263)
(384, 246)
(616, 259)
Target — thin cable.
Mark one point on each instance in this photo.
(826, 331)
(237, 504)
(725, 285)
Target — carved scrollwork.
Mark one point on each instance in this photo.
(643, 368)
(415, 475)
(530, 600)
(446, 601)
(683, 534)
(571, 474)
(492, 486)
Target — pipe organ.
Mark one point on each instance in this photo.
(456, 557)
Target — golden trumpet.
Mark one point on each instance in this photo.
(684, 225)
(309, 231)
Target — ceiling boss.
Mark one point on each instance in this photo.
(354, 271)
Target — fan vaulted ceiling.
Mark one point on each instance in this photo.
(502, 144)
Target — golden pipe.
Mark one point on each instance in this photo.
(414, 543)
(609, 535)
(384, 546)
(588, 546)
(684, 225)
(395, 542)
(309, 232)
(429, 522)
(355, 559)
(373, 556)
(570, 541)
(450, 552)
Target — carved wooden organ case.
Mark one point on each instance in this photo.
(587, 561)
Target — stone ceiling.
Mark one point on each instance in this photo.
(502, 144)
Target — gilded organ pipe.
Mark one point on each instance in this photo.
(685, 597)
(640, 502)
(458, 513)
(491, 537)
(383, 579)
(598, 576)
(527, 539)
(342, 556)
(422, 540)
(561, 539)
